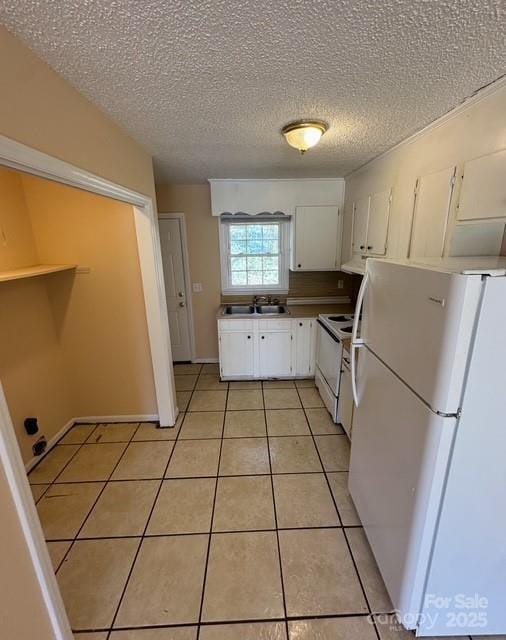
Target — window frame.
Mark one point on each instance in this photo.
(227, 288)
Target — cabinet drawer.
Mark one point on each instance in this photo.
(274, 325)
(236, 325)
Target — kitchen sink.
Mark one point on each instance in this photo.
(271, 309)
(239, 310)
(259, 309)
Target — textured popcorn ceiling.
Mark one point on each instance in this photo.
(206, 85)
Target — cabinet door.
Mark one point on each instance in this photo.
(304, 356)
(236, 354)
(317, 239)
(360, 221)
(430, 216)
(483, 191)
(275, 354)
(377, 227)
(345, 402)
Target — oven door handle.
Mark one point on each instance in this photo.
(356, 341)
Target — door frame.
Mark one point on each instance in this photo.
(187, 278)
(22, 158)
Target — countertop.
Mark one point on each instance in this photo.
(296, 311)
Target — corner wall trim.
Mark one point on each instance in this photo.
(23, 158)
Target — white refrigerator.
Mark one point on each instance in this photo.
(428, 455)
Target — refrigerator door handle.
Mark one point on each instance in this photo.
(356, 341)
(354, 349)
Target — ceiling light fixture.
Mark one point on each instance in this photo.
(304, 134)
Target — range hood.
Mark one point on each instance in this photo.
(355, 265)
(253, 197)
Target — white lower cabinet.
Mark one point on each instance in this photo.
(267, 348)
(304, 351)
(237, 349)
(275, 353)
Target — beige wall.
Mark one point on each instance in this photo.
(476, 131)
(41, 110)
(32, 367)
(71, 344)
(194, 200)
(99, 317)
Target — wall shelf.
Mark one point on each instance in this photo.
(33, 271)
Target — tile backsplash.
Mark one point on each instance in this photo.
(314, 284)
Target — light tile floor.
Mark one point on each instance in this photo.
(235, 525)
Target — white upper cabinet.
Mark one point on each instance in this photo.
(377, 229)
(360, 221)
(483, 190)
(316, 239)
(433, 193)
(370, 223)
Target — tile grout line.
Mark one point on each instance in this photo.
(199, 533)
(231, 475)
(79, 446)
(275, 519)
(110, 629)
(143, 536)
(201, 609)
(214, 623)
(97, 498)
(366, 599)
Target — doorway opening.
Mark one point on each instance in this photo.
(53, 290)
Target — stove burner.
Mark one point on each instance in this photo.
(346, 329)
(339, 319)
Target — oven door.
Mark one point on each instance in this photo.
(328, 357)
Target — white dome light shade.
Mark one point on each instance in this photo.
(304, 134)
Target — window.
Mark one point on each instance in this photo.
(254, 255)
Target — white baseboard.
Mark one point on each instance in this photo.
(85, 420)
(205, 360)
(127, 418)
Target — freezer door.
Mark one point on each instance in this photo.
(420, 323)
(399, 456)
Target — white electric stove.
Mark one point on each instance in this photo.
(332, 329)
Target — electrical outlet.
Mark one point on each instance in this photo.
(340, 284)
(197, 287)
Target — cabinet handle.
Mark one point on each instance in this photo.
(300, 324)
(263, 337)
(249, 337)
(362, 246)
(369, 248)
(299, 266)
